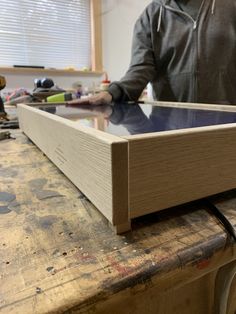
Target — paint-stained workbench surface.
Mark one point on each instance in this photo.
(58, 253)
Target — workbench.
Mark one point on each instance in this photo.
(59, 254)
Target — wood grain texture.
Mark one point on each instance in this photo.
(94, 161)
(176, 167)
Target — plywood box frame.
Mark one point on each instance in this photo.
(130, 176)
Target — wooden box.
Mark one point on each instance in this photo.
(164, 159)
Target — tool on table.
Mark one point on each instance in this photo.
(12, 124)
(4, 135)
(3, 114)
(44, 83)
(221, 217)
(61, 97)
(19, 95)
(45, 87)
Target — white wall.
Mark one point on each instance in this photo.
(118, 19)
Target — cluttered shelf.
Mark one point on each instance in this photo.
(45, 71)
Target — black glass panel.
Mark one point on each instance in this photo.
(126, 119)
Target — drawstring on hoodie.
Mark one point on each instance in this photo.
(213, 6)
(194, 22)
(159, 19)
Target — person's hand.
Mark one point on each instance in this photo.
(103, 98)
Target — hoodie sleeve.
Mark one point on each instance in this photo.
(142, 68)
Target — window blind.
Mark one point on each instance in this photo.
(50, 33)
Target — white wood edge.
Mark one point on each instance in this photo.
(44, 104)
(171, 133)
(203, 106)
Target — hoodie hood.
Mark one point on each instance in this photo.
(173, 6)
(171, 3)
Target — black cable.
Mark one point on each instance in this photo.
(221, 217)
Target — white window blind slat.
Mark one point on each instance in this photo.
(50, 33)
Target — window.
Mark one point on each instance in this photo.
(50, 33)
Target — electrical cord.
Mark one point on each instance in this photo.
(221, 217)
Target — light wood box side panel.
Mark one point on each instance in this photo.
(180, 166)
(84, 157)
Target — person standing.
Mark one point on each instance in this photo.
(186, 49)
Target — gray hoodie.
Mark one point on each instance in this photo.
(184, 59)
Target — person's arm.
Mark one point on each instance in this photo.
(142, 68)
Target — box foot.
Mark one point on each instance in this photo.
(122, 228)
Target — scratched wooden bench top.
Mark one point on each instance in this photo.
(59, 254)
